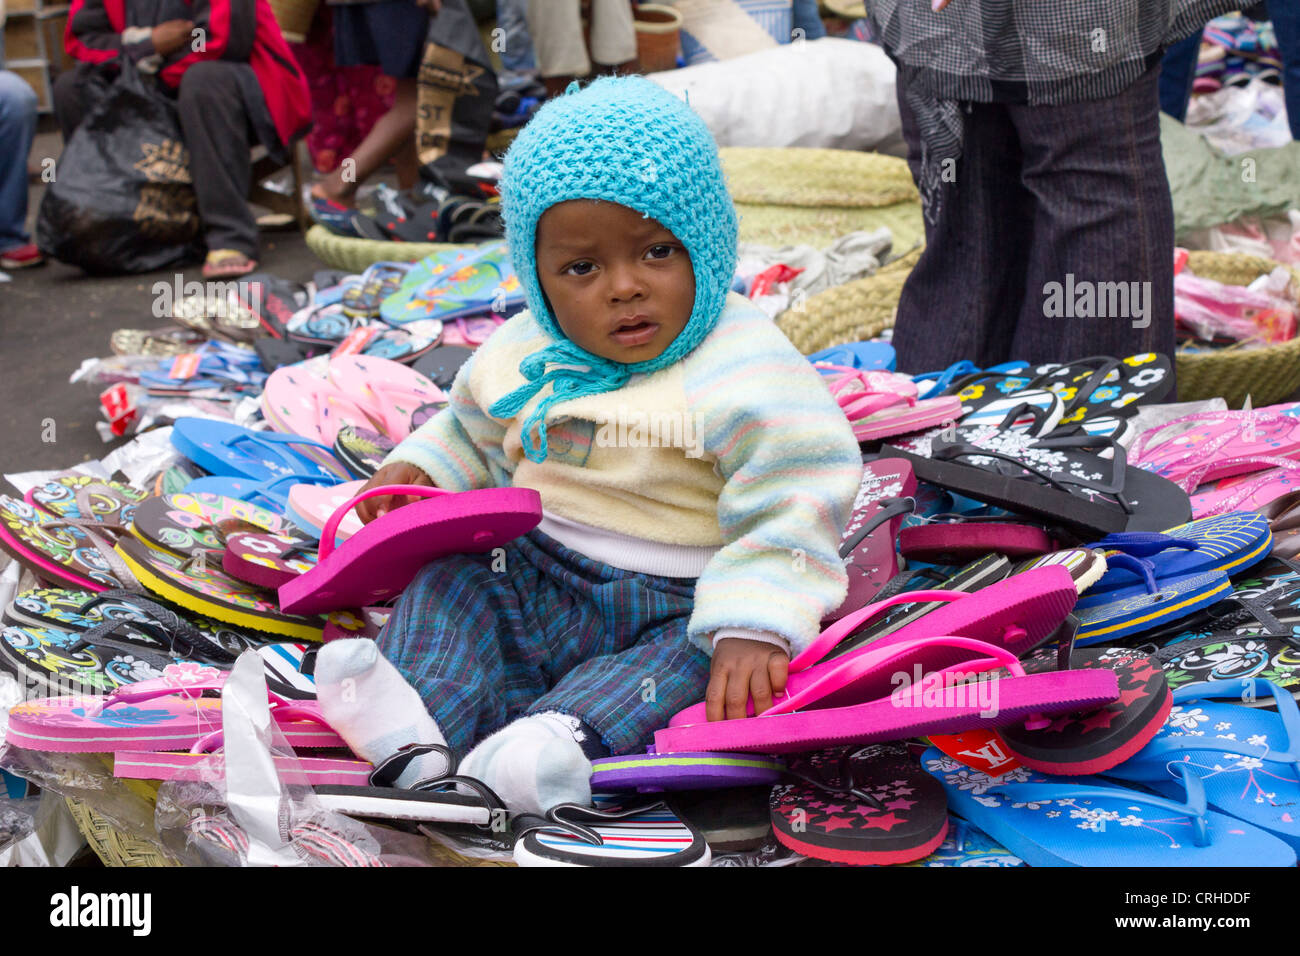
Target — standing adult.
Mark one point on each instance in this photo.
(1033, 135)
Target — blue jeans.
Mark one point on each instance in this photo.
(17, 129)
(807, 19)
(517, 52)
(1178, 69)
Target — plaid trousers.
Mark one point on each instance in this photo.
(538, 627)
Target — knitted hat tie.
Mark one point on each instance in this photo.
(573, 372)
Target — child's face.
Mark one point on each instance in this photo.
(621, 286)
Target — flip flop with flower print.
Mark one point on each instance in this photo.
(1247, 758)
(1090, 821)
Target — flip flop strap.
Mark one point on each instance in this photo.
(890, 508)
(175, 627)
(104, 546)
(558, 818)
(328, 533)
(1194, 809)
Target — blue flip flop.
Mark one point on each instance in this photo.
(1089, 821)
(224, 448)
(1230, 543)
(864, 355)
(1245, 757)
(1157, 601)
(272, 494)
(941, 380)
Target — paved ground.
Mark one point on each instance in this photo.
(54, 317)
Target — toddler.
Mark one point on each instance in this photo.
(695, 476)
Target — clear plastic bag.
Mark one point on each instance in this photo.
(1214, 311)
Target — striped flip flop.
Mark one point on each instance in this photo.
(611, 832)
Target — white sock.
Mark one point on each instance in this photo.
(374, 709)
(533, 764)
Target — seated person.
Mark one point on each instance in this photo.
(236, 83)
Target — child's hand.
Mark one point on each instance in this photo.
(398, 473)
(744, 669)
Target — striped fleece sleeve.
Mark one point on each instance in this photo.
(460, 448)
(791, 467)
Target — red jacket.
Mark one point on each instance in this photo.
(94, 29)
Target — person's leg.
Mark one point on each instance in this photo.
(76, 92)
(613, 36)
(961, 298)
(808, 19)
(517, 46)
(392, 137)
(17, 129)
(1285, 15)
(1177, 74)
(216, 130)
(618, 664)
(558, 44)
(1100, 278)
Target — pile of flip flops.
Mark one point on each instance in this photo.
(1068, 637)
(231, 338)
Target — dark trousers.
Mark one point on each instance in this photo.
(217, 133)
(1044, 196)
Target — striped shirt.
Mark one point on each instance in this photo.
(739, 447)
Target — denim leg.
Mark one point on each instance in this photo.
(517, 52)
(1177, 74)
(17, 129)
(808, 19)
(1285, 15)
(962, 298)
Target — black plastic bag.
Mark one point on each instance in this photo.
(122, 199)
(456, 92)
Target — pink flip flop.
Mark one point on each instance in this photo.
(868, 543)
(389, 391)
(206, 762)
(956, 542)
(1219, 444)
(382, 558)
(1013, 615)
(367, 622)
(946, 701)
(310, 507)
(1246, 492)
(204, 766)
(162, 714)
(300, 399)
(265, 559)
(881, 404)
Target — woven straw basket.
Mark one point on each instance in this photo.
(355, 255)
(783, 197)
(113, 846)
(1268, 375)
(852, 312)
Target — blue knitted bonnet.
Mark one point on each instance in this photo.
(629, 141)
